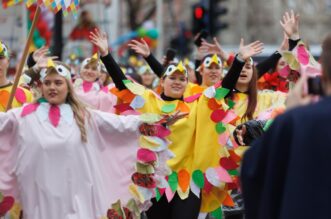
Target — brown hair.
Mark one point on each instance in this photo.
(252, 96)
(325, 57)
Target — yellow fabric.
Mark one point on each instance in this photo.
(189, 91)
(265, 100)
(182, 132)
(16, 103)
(208, 151)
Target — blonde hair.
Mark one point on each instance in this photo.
(81, 114)
(79, 109)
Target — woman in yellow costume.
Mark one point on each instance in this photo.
(184, 181)
(21, 95)
(244, 103)
(137, 98)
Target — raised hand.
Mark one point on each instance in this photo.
(290, 24)
(284, 46)
(240, 133)
(39, 53)
(42, 62)
(100, 40)
(141, 48)
(212, 48)
(247, 51)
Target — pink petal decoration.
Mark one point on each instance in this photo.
(218, 115)
(169, 194)
(123, 107)
(303, 55)
(87, 86)
(162, 132)
(20, 95)
(146, 155)
(191, 99)
(224, 175)
(223, 138)
(284, 71)
(29, 109)
(230, 116)
(311, 71)
(54, 115)
(234, 143)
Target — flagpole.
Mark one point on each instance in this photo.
(22, 61)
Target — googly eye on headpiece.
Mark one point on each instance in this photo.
(172, 68)
(60, 69)
(93, 59)
(210, 60)
(3, 50)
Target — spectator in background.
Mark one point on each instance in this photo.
(82, 30)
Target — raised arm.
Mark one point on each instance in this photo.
(245, 52)
(142, 48)
(113, 69)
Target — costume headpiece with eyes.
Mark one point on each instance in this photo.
(144, 69)
(172, 68)
(60, 69)
(3, 50)
(93, 59)
(210, 60)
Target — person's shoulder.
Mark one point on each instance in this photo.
(312, 111)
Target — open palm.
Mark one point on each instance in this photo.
(100, 40)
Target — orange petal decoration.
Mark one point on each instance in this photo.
(228, 201)
(4, 97)
(124, 95)
(182, 107)
(197, 89)
(183, 179)
(213, 105)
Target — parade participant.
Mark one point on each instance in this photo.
(183, 202)
(22, 95)
(89, 89)
(69, 173)
(171, 100)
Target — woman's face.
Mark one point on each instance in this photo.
(90, 72)
(281, 64)
(246, 73)
(55, 89)
(174, 85)
(4, 64)
(147, 79)
(211, 75)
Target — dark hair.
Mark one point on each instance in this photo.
(252, 96)
(326, 56)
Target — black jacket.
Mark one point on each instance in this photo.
(286, 173)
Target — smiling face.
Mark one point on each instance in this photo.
(174, 85)
(211, 70)
(90, 72)
(55, 88)
(147, 79)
